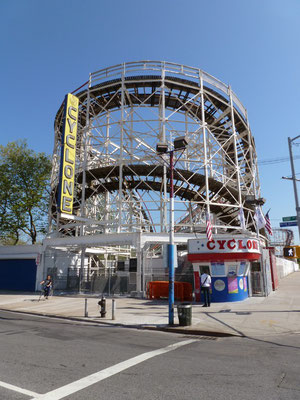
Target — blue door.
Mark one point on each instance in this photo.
(18, 275)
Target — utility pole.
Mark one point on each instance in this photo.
(294, 181)
(171, 246)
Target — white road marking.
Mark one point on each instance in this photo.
(18, 389)
(89, 380)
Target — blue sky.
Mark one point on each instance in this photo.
(48, 49)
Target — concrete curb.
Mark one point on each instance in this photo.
(191, 331)
(170, 329)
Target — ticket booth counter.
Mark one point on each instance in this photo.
(228, 261)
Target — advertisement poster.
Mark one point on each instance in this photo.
(218, 269)
(219, 285)
(245, 284)
(233, 285)
(241, 283)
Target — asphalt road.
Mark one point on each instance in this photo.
(50, 359)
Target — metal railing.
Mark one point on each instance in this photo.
(131, 68)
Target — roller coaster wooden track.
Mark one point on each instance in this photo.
(183, 95)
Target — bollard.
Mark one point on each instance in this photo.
(86, 308)
(113, 308)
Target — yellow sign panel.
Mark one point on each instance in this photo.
(291, 252)
(68, 154)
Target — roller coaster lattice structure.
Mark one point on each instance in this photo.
(123, 185)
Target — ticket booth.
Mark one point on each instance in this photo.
(228, 261)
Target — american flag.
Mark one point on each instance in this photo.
(268, 225)
(208, 228)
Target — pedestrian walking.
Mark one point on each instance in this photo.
(205, 287)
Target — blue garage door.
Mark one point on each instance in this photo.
(18, 275)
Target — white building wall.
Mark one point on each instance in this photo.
(285, 267)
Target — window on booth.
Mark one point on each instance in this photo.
(232, 269)
(243, 268)
(218, 269)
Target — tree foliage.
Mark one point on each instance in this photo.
(24, 182)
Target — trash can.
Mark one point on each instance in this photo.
(184, 311)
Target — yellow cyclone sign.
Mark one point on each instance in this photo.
(68, 155)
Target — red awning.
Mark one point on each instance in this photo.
(223, 256)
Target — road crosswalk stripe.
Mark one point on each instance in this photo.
(18, 389)
(89, 380)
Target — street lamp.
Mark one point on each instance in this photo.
(180, 143)
(294, 181)
(253, 201)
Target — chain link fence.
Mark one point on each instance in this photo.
(104, 276)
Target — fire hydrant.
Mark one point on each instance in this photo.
(102, 304)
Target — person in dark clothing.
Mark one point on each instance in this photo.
(47, 286)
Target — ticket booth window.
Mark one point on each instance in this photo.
(232, 269)
(218, 269)
(243, 268)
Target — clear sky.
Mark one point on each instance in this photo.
(48, 49)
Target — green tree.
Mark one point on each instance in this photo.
(24, 197)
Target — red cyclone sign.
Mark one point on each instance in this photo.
(224, 248)
(240, 245)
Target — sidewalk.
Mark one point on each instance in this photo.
(257, 316)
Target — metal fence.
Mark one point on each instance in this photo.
(108, 284)
(110, 277)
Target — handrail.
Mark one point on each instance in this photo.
(129, 68)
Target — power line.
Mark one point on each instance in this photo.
(276, 160)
